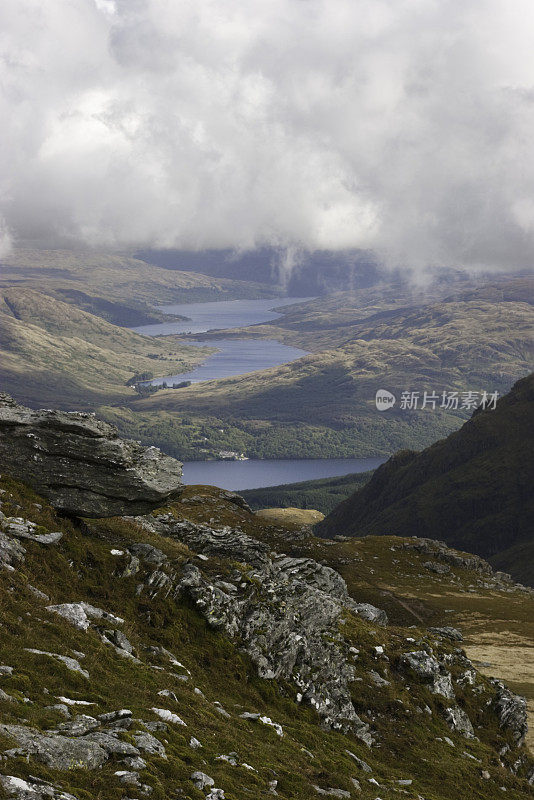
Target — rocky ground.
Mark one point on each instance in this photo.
(201, 651)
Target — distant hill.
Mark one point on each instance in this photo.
(473, 490)
(120, 289)
(52, 353)
(323, 405)
(323, 494)
(303, 274)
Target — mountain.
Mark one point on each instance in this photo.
(323, 405)
(202, 651)
(472, 490)
(322, 494)
(120, 289)
(300, 273)
(52, 352)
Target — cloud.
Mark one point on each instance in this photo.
(401, 126)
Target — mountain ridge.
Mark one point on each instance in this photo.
(471, 490)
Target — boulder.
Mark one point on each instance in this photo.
(55, 751)
(81, 465)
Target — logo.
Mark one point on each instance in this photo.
(384, 400)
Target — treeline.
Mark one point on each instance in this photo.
(322, 495)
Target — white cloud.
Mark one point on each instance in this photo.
(399, 125)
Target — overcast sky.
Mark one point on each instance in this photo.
(404, 126)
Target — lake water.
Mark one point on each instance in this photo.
(238, 357)
(256, 473)
(234, 356)
(203, 317)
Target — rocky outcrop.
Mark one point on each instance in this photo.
(285, 612)
(81, 465)
(511, 710)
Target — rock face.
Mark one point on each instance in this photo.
(285, 611)
(81, 465)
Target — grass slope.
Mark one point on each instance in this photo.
(322, 495)
(119, 288)
(472, 490)
(53, 353)
(83, 566)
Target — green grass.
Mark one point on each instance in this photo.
(81, 566)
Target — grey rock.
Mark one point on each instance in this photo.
(81, 465)
(447, 632)
(118, 640)
(201, 780)
(32, 789)
(331, 792)
(223, 542)
(362, 764)
(446, 555)
(149, 744)
(11, 552)
(285, 619)
(128, 776)
(114, 716)
(70, 663)
(135, 762)
(56, 751)
(38, 593)
(511, 710)
(111, 744)
(25, 532)
(429, 670)
(458, 721)
(377, 679)
(79, 726)
(439, 569)
(73, 613)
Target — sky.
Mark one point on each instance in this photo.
(404, 127)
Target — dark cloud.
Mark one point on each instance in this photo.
(402, 126)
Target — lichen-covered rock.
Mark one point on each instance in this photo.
(32, 789)
(430, 671)
(56, 751)
(458, 721)
(81, 465)
(511, 709)
(287, 619)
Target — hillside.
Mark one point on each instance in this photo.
(472, 490)
(324, 404)
(54, 353)
(120, 289)
(201, 651)
(323, 494)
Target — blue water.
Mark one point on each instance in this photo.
(236, 357)
(255, 473)
(218, 315)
